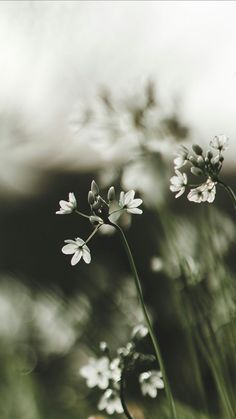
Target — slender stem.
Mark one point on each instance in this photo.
(146, 316)
(92, 234)
(81, 213)
(113, 212)
(122, 397)
(230, 192)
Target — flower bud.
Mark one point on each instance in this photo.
(196, 171)
(111, 195)
(209, 155)
(94, 188)
(97, 204)
(103, 347)
(200, 161)
(193, 160)
(197, 149)
(91, 198)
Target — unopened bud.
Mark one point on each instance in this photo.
(193, 160)
(111, 195)
(200, 161)
(209, 155)
(103, 346)
(97, 204)
(196, 171)
(197, 149)
(94, 188)
(91, 198)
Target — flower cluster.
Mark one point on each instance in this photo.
(206, 166)
(106, 373)
(101, 212)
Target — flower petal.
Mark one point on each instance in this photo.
(135, 203)
(180, 192)
(79, 241)
(72, 199)
(76, 258)
(86, 254)
(65, 205)
(129, 196)
(69, 249)
(134, 211)
(122, 199)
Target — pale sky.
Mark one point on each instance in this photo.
(56, 52)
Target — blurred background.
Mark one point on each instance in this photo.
(107, 91)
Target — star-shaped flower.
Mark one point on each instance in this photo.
(151, 382)
(203, 193)
(181, 157)
(78, 249)
(220, 142)
(128, 202)
(110, 401)
(97, 372)
(178, 183)
(67, 207)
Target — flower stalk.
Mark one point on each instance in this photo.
(122, 396)
(230, 191)
(148, 322)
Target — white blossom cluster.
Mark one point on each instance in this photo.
(101, 213)
(204, 166)
(106, 373)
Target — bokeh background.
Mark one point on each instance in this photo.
(108, 90)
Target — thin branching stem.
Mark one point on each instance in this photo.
(146, 316)
(82, 214)
(230, 192)
(122, 397)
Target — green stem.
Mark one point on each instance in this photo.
(122, 397)
(146, 316)
(81, 213)
(230, 192)
(92, 234)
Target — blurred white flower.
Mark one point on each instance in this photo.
(110, 402)
(67, 207)
(156, 264)
(115, 370)
(181, 157)
(151, 382)
(128, 202)
(139, 331)
(220, 142)
(178, 183)
(203, 193)
(79, 249)
(97, 372)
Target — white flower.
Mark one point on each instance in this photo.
(156, 264)
(178, 183)
(203, 193)
(79, 249)
(181, 157)
(97, 373)
(139, 331)
(110, 402)
(115, 370)
(150, 382)
(128, 202)
(220, 142)
(67, 207)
